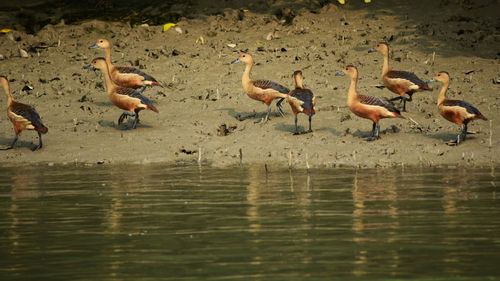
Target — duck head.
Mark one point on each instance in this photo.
(101, 43)
(244, 57)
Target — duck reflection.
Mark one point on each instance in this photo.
(375, 207)
(267, 190)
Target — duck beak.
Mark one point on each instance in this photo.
(339, 73)
(235, 61)
(94, 46)
(371, 50)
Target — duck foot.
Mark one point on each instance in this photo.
(35, 148)
(302, 133)
(452, 143)
(372, 138)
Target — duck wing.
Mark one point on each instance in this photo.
(29, 113)
(134, 94)
(409, 76)
(133, 70)
(469, 107)
(369, 100)
(266, 84)
(304, 95)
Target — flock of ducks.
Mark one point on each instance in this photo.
(125, 87)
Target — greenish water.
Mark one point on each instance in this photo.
(185, 223)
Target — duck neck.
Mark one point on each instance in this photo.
(352, 94)
(107, 56)
(385, 66)
(6, 88)
(109, 84)
(299, 84)
(245, 79)
(442, 93)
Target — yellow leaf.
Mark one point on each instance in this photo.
(368, 1)
(167, 26)
(342, 2)
(5, 30)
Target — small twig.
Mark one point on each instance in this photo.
(307, 163)
(491, 134)
(241, 158)
(199, 156)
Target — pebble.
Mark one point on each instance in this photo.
(1, 57)
(231, 45)
(23, 53)
(178, 30)
(390, 151)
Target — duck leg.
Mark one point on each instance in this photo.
(136, 119)
(310, 127)
(463, 134)
(396, 98)
(405, 98)
(375, 132)
(40, 145)
(266, 118)
(124, 116)
(296, 126)
(12, 144)
(279, 107)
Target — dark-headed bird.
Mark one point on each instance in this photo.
(456, 111)
(402, 83)
(128, 99)
(22, 116)
(368, 107)
(301, 100)
(262, 90)
(125, 76)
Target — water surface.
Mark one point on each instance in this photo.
(185, 223)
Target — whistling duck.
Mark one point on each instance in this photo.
(368, 107)
(125, 76)
(455, 111)
(402, 83)
(301, 100)
(262, 90)
(128, 99)
(22, 116)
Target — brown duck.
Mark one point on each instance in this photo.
(301, 100)
(402, 83)
(128, 99)
(456, 111)
(125, 76)
(262, 90)
(22, 116)
(368, 107)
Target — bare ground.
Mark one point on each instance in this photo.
(202, 91)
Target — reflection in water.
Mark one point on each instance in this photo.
(157, 222)
(376, 186)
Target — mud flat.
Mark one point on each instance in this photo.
(203, 108)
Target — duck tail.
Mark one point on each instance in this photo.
(153, 108)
